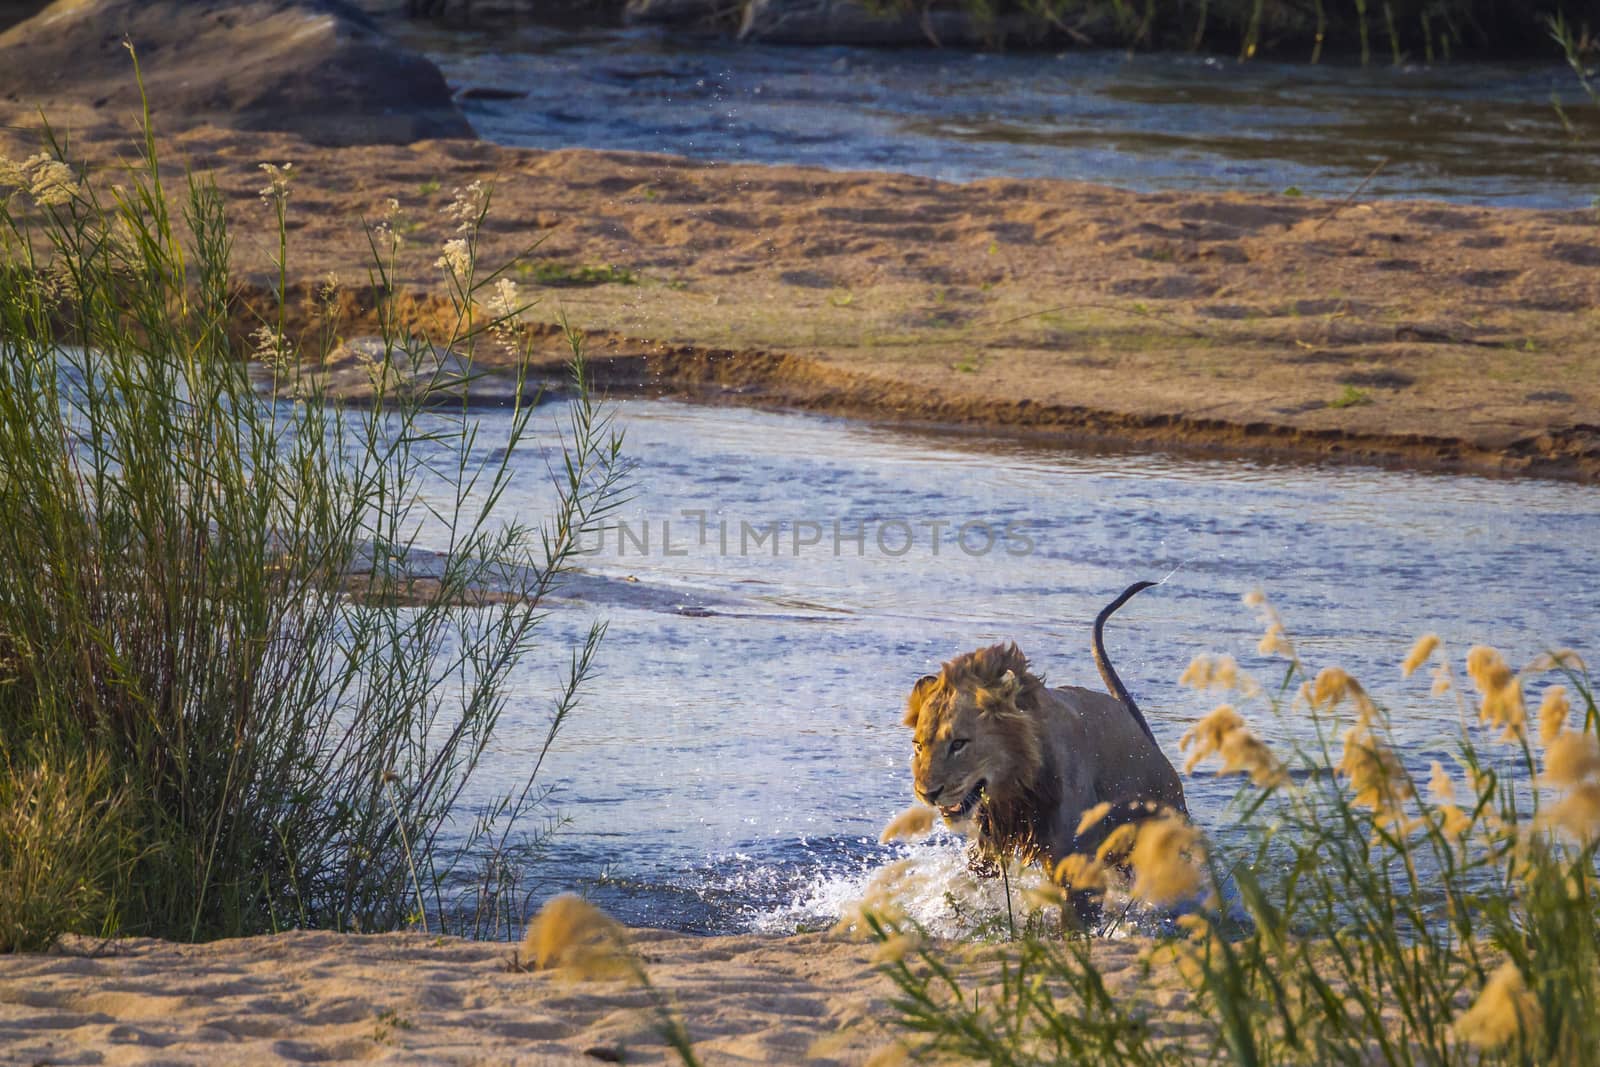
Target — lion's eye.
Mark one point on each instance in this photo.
(957, 746)
(916, 746)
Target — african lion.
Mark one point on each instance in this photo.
(1016, 765)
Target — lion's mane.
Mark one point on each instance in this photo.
(1018, 817)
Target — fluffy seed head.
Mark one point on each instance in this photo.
(1207, 735)
(1079, 871)
(1334, 685)
(50, 181)
(1577, 813)
(1197, 673)
(913, 823)
(1440, 787)
(1505, 1009)
(1570, 760)
(1092, 816)
(1553, 711)
(1502, 694)
(1275, 642)
(572, 934)
(1426, 645)
(1561, 658)
(1167, 858)
(1454, 822)
(1117, 843)
(1244, 752)
(1376, 775)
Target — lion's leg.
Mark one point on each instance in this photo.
(1083, 911)
(1088, 905)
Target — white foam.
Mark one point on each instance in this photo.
(929, 882)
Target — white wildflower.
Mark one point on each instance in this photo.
(466, 206)
(277, 187)
(271, 349)
(504, 304)
(383, 232)
(372, 366)
(457, 258)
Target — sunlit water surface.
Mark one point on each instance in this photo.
(1478, 133)
(741, 748)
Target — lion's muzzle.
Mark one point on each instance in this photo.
(969, 803)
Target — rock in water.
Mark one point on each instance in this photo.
(318, 68)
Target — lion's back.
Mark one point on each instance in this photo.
(1129, 765)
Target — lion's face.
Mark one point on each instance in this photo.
(970, 740)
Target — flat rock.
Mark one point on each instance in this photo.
(318, 68)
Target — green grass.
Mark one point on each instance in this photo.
(570, 275)
(64, 844)
(1350, 397)
(202, 734)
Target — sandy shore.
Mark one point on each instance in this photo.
(1406, 333)
(410, 998)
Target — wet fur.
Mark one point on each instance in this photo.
(1029, 733)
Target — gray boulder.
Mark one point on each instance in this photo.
(318, 68)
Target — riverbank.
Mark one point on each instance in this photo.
(409, 998)
(1416, 334)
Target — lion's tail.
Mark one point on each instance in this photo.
(1108, 673)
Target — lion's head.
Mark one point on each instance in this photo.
(977, 742)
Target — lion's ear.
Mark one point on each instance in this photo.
(1001, 696)
(919, 694)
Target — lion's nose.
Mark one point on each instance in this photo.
(929, 796)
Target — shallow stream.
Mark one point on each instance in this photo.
(741, 749)
(1467, 132)
(735, 760)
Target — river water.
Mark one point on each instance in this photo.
(736, 758)
(741, 748)
(1473, 133)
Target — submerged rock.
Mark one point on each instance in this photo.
(318, 68)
